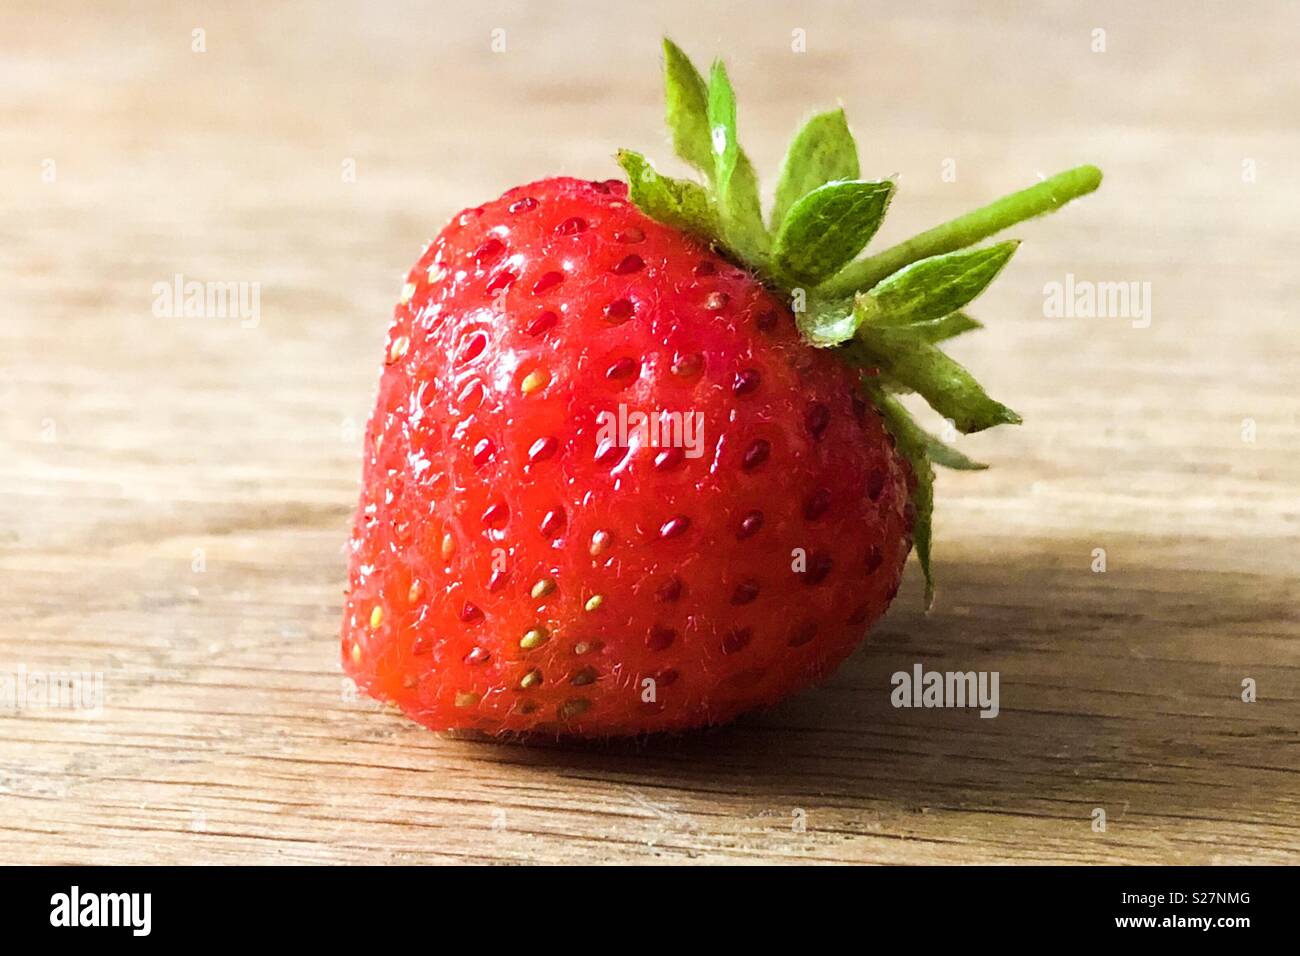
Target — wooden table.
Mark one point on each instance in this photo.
(175, 493)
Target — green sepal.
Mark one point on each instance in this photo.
(934, 287)
(950, 457)
(823, 151)
(835, 322)
(679, 203)
(912, 443)
(950, 326)
(827, 324)
(904, 355)
(825, 229)
(686, 109)
(734, 181)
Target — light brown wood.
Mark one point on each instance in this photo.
(134, 446)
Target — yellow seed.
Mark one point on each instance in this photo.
(599, 542)
(466, 698)
(542, 588)
(376, 616)
(398, 348)
(534, 637)
(413, 594)
(595, 601)
(582, 647)
(573, 707)
(356, 653)
(408, 290)
(531, 679)
(537, 378)
(437, 273)
(448, 545)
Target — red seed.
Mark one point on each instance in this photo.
(472, 347)
(608, 452)
(629, 264)
(489, 251)
(501, 281)
(523, 205)
(705, 268)
(660, 638)
(471, 396)
(669, 458)
(766, 320)
(670, 590)
(746, 381)
(620, 310)
(817, 418)
(674, 527)
(875, 484)
(737, 640)
(755, 454)
(547, 282)
(542, 449)
(498, 579)
(817, 504)
(621, 369)
(542, 323)
(749, 525)
(745, 592)
(496, 515)
(874, 559)
(571, 226)
(470, 613)
(477, 656)
(483, 451)
(631, 234)
(819, 566)
(553, 522)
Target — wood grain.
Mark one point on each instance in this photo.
(133, 445)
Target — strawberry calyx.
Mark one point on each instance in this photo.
(884, 313)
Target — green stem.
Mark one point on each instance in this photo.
(964, 230)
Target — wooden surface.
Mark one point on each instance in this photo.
(136, 448)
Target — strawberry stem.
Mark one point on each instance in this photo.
(965, 230)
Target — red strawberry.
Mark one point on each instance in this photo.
(520, 562)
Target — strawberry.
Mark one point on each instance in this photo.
(638, 461)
